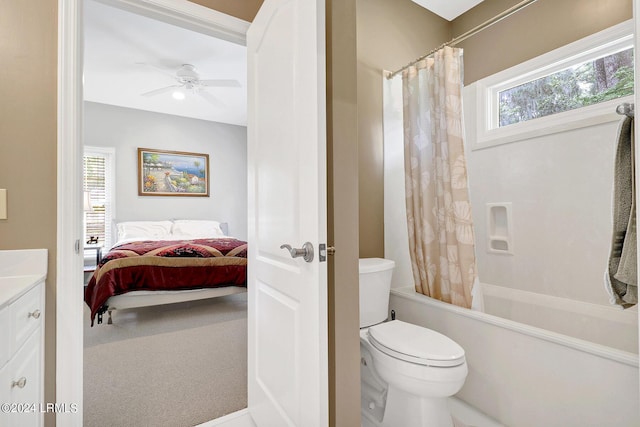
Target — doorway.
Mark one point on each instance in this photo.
(69, 337)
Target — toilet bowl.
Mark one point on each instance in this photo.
(420, 369)
(407, 371)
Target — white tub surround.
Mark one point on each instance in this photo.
(608, 326)
(22, 275)
(527, 377)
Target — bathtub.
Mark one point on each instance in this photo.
(606, 325)
(526, 376)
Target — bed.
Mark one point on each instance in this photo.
(163, 262)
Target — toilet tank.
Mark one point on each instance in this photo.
(375, 285)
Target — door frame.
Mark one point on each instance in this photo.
(636, 67)
(69, 281)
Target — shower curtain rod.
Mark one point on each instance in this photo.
(471, 32)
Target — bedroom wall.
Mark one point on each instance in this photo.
(128, 129)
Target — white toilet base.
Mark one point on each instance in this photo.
(384, 405)
(407, 410)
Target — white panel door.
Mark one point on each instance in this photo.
(288, 360)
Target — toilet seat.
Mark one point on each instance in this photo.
(415, 344)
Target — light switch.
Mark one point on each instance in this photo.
(3, 204)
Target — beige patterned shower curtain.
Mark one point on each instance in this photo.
(441, 236)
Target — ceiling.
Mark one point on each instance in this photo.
(127, 55)
(448, 9)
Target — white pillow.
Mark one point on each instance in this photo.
(144, 230)
(196, 229)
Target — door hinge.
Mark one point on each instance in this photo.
(77, 246)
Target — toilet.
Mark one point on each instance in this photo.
(407, 372)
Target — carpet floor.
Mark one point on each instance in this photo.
(174, 365)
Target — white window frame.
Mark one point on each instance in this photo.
(109, 154)
(603, 43)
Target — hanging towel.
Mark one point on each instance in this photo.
(621, 276)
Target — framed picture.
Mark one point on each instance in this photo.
(172, 173)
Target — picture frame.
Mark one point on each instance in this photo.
(172, 173)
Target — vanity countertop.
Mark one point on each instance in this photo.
(12, 288)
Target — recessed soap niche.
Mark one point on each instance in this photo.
(499, 228)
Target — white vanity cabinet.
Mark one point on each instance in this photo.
(22, 342)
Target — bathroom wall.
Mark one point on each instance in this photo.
(560, 187)
(540, 27)
(28, 145)
(507, 43)
(342, 214)
(390, 34)
(128, 129)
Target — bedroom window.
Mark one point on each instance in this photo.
(98, 187)
(574, 86)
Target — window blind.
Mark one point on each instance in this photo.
(97, 182)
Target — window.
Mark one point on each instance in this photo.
(98, 186)
(576, 85)
(588, 83)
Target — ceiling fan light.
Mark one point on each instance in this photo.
(178, 94)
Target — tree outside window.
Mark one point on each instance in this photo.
(589, 83)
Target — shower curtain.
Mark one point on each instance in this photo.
(440, 226)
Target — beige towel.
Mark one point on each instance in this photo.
(621, 277)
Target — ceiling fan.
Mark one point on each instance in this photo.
(189, 81)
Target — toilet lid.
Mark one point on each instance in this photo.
(416, 344)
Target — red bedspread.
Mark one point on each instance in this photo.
(167, 265)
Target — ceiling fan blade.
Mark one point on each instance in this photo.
(220, 83)
(161, 90)
(211, 99)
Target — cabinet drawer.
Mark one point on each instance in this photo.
(27, 313)
(5, 392)
(23, 383)
(5, 336)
